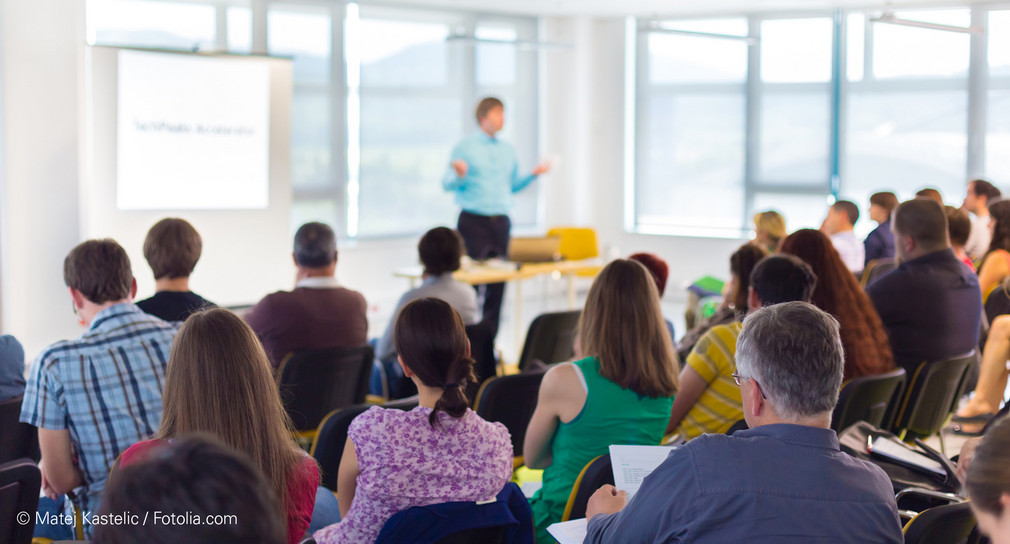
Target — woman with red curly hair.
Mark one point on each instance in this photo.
(867, 350)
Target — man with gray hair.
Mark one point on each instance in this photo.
(319, 313)
(784, 479)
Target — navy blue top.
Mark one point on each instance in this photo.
(879, 244)
(12, 368)
(779, 484)
(174, 305)
(931, 308)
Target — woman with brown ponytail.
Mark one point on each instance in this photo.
(439, 452)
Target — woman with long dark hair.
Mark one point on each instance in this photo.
(441, 451)
(867, 350)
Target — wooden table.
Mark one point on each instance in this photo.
(479, 274)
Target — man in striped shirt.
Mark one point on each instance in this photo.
(93, 397)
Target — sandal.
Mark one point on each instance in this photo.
(980, 418)
(969, 429)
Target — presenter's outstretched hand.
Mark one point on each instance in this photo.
(542, 168)
(460, 166)
(606, 500)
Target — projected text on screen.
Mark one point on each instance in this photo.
(193, 132)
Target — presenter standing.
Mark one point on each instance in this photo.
(484, 173)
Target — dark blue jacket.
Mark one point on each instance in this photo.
(879, 244)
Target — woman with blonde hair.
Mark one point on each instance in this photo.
(621, 393)
(218, 381)
(769, 230)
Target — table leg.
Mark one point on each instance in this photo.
(519, 333)
(571, 290)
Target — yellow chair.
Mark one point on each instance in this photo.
(578, 243)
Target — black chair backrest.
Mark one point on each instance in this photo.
(870, 399)
(510, 400)
(597, 473)
(740, 425)
(19, 439)
(948, 524)
(314, 383)
(328, 446)
(998, 302)
(875, 270)
(482, 351)
(551, 338)
(931, 396)
(20, 482)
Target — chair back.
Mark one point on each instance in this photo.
(577, 243)
(510, 400)
(19, 439)
(20, 482)
(931, 396)
(482, 351)
(868, 398)
(505, 520)
(740, 425)
(328, 446)
(998, 302)
(551, 338)
(594, 475)
(948, 524)
(875, 269)
(314, 383)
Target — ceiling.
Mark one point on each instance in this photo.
(651, 8)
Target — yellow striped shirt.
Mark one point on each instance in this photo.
(719, 406)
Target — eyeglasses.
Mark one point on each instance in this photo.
(740, 379)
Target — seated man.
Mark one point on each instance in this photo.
(439, 250)
(838, 225)
(93, 397)
(930, 305)
(784, 479)
(172, 248)
(319, 313)
(977, 198)
(708, 401)
(194, 477)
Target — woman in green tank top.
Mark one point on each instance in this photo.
(621, 393)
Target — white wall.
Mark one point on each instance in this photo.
(42, 54)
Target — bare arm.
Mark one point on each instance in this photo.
(60, 474)
(347, 478)
(993, 270)
(692, 386)
(560, 399)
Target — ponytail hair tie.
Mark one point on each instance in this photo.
(447, 386)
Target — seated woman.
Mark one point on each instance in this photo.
(620, 394)
(992, 379)
(218, 381)
(769, 230)
(441, 451)
(988, 483)
(996, 262)
(734, 305)
(867, 349)
(440, 250)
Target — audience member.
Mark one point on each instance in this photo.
(980, 195)
(441, 451)
(193, 477)
(172, 248)
(219, 382)
(660, 271)
(735, 304)
(879, 244)
(93, 397)
(958, 229)
(995, 265)
(785, 478)
(867, 351)
(930, 193)
(769, 230)
(440, 250)
(319, 313)
(992, 378)
(621, 393)
(930, 305)
(988, 483)
(842, 216)
(708, 401)
(12, 368)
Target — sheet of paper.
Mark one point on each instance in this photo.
(888, 448)
(631, 464)
(569, 532)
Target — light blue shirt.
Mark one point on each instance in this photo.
(492, 175)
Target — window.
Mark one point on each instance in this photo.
(997, 147)
(143, 23)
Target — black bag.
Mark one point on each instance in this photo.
(854, 439)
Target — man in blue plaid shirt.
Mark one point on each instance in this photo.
(93, 397)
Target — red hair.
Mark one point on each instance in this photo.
(867, 350)
(656, 266)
